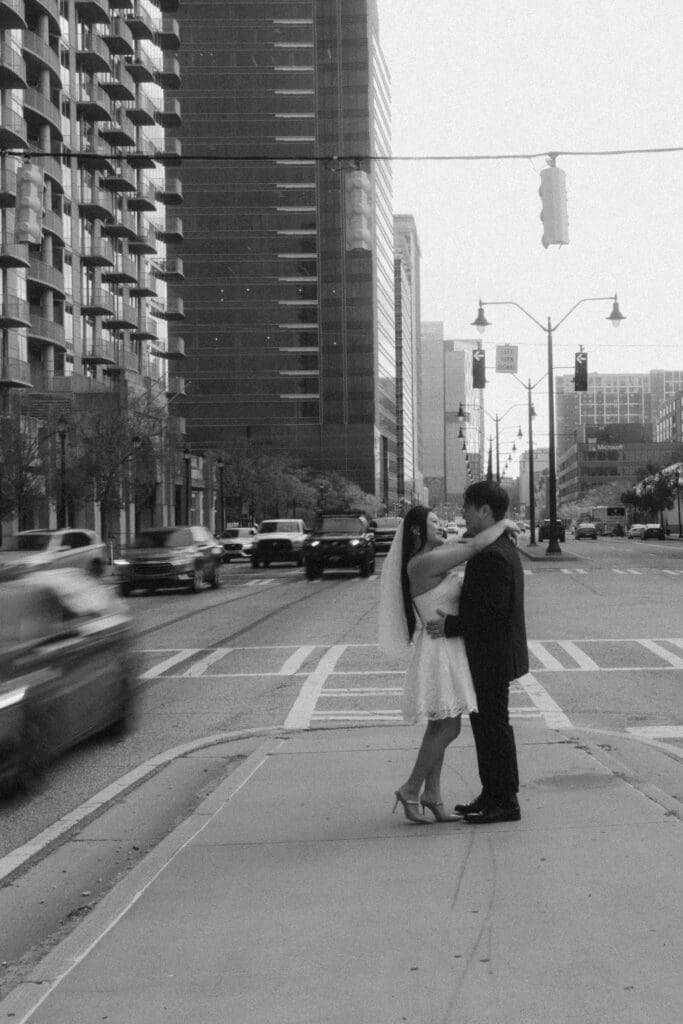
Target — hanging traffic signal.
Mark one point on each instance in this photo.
(581, 371)
(478, 368)
(28, 223)
(553, 193)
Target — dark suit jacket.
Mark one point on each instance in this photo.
(491, 617)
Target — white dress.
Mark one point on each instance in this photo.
(438, 682)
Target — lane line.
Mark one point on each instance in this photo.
(295, 661)
(302, 710)
(662, 653)
(552, 713)
(159, 669)
(197, 669)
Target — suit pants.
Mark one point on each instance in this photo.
(495, 744)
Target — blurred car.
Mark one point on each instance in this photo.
(456, 528)
(340, 540)
(66, 667)
(171, 556)
(32, 550)
(544, 530)
(585, 530)
(384, 529)
(238, 542)
(279, 540)
(646, 531)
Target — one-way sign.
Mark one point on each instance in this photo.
(478, 368)
(581, 371)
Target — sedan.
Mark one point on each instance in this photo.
(238, 542)
(643, 531)
(585, 530)
(66, 667)
(32, 550)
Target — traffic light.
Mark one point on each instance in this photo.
(478, 368)
(28, 223)
(553, 193)
(581, 371)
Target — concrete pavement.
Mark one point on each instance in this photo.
(294, 895)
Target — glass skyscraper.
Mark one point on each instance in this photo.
(288, 235)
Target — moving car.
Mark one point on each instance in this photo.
(544, 530)
(384, 529)
(171, 556)
(340, 540)
(32, 550)
(66, 667)
(238, 542)
(456, 528)
(645, 531)
(585, 530)
(279, 540)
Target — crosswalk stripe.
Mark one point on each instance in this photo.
(579, 656)
(157, 670)
(545, 657)
(662, 653)
(198, 668)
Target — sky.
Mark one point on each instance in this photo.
(524, 77)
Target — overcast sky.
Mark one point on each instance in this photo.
(479, 77)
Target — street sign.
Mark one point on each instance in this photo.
(478, 368)
(506, 358)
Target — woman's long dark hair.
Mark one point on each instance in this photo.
(414, 539)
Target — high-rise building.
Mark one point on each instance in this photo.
(288, 244)
(407, 316)
(87, 283)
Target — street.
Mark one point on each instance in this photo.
(271, 650)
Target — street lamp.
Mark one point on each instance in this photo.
(221, 513)
(187, 456)
(62, 427)
(678, 502)
(481, 323)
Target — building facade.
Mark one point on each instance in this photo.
(409, 484)
(89, 289)
(288, 235)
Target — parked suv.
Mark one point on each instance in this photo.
(279, 540)
(340, 540)
(171, 556)
(544, 530)
(384, 530)
(238, 542)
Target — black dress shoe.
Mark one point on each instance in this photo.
(477, 804)
(492, 815)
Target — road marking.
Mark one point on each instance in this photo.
(304, 706)
(259, 583)
(658, 732)
(552, 713)
(295, 661)
(153, 673)
(662, 653)
(197, 669)
(545, 657)
(579, 656)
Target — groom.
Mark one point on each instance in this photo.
(491, 621)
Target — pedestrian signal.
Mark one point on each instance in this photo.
(28, 223)
(478, 368)
(553, 193)
(581, 371)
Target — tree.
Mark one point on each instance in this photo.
(22, 468)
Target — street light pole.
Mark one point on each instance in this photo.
(61, 515)
(678, 502)
(532, 497)
(187, 456)
(221, 507)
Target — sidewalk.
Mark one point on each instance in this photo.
(293, 896)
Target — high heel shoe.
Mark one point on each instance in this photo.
(438, 811)
(408, 806)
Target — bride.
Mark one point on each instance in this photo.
(417, 579)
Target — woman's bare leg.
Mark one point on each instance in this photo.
(427, 768)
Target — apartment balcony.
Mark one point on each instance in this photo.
(175, 351)
(39, 52)
(170, 192)
(97, 252)
(124, 226)
(145, 198)
(120, 179)
(53, 223)
(141, 110)
(93, 55)
(139, 23)
(98, 303)
(92, 153)
(145, 154)
(12, 66)
(172, 230)
(93, 12)
(95, 203)
(171, 310)
(12, 128)
(14, 312)
(141, 67)
(119, 85)
(176, 385)
(168, 77)
(145, 330)
(8, 187)
(123, 270)
(145, 241)
(12, 14)
(53, 170)
(144, 286)
(14, 254)
(170, 270)
(40, 108)
(124, 318)
(46, 276)
(172, 153)
(119, 38)
(49, 7)
(170, 116)
(169, 36)
(117, 134)
(92, 103)
(46, 332)
(15, 373)
(100, 351)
